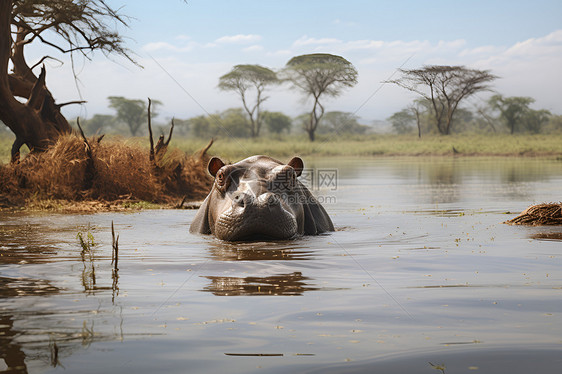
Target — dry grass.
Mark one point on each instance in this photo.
(539, 215)
(119, 172)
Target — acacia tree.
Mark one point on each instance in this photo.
(132, 112)
(316, 75)
(69, 27)
(512, 109)
(402, 121)
(244, 79)
(341, 123)
(535, 119)
(277, 122)
(444, 87)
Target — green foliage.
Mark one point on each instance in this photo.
(202, 126)
(444, 87)
(403, 122)
(87, 243)
(234, 123)
(316, 75)
(132, 112)
(341, 123)
(535, 119)
(512, 109)
(98, 124)
(277, 122)
(245, 78)
(229, 123)
(554, 125)
(181, 126)
(320, 73)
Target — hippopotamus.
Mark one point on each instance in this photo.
(259, 198)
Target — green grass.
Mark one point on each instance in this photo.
(370, 145)
(383, 145)
(6, 141)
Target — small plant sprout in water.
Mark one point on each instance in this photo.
(86, 243)
(87, 254)
(440, 367)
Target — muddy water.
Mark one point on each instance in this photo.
(420, 271)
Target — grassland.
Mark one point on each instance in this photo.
(384, 145)
(372, 145)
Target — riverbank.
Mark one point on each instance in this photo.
(72, 176)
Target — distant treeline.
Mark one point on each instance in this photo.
(234, 122)
(498, 115)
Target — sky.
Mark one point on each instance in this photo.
(185, 46)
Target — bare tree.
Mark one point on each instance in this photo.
(242, 79)
(69, 27)
(316, 75)
(444, 87)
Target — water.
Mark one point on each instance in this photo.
(419, 271)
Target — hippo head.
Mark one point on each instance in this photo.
(259, 198)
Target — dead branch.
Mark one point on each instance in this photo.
(204, 150)
(71, 103)
(90, 172)
(162, 145)
(43, 59)
(37, 97)
(150, 132)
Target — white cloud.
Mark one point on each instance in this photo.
(305, 40)
(253, 48)
(281, 52)
(239, 39)
(339, 22)
(165, 46)
(183, 37)
(485, 50)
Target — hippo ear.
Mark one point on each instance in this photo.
(200, 224)
(316, 219)
(297, 164)
(214, 165)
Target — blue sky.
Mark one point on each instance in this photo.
(198, 41)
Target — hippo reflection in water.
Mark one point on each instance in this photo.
(259, 198)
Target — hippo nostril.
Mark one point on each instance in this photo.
(242, 199)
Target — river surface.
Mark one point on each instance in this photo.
(421, 276)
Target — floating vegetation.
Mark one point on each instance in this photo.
(255, 354)
(539, 215)
(554, 236)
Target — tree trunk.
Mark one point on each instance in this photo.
(311, 135)
(418, 123)
(38, 122)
